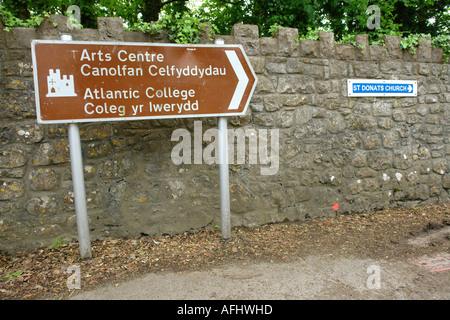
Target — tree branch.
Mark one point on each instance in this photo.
(170, 1)
(229, 2)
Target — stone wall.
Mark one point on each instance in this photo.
(362, 153)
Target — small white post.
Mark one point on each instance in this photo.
(223, 172)
(79, 191)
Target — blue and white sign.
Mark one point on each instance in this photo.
(381, 88)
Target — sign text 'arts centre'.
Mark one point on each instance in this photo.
(98, 81)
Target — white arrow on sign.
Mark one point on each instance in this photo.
(242, 79)
(410, 88)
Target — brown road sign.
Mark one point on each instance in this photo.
(101, 81)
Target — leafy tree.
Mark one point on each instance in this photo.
(423, 16)
(343, 17)
(131, 11)
(288, 13)
(151, 8)
(225, 13)
(18, 8)
(403, 16)
(350, 17)
(24, 9)
(263, 13)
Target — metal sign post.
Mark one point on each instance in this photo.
(224, 178)
(223, 173)
(79, 191)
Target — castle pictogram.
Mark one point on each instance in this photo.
(60, 87)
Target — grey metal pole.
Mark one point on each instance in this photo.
(79, 191)
(223, 172)
(224, 178)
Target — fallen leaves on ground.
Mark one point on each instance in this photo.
(42, 274)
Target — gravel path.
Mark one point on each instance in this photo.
(391, 254)
(310, 278)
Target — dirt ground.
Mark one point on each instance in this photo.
(391, 254)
